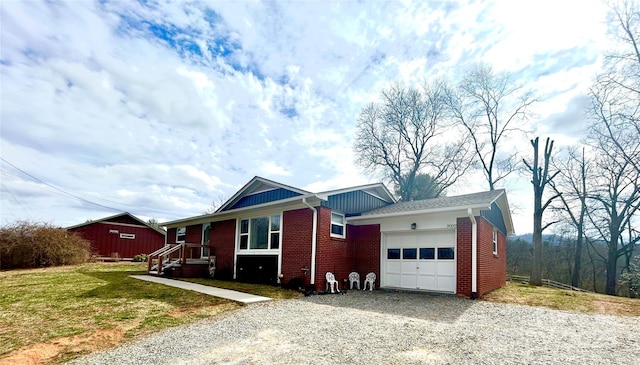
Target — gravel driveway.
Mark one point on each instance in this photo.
(388, 328)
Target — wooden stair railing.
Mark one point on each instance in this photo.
(165, 253)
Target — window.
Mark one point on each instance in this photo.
(261, 233)
(495, 241)
(337, 225)
(427, 253)
(393, 254)
(445, 253)
(409, 253)
(181, 234)
(129, 236)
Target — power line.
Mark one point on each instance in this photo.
(78, 197)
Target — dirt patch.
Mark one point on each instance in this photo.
(49, 352)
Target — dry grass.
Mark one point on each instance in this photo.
(270, 291)
(581, 302)
(53, 315)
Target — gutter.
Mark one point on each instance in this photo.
(474, 254)
(314, 240)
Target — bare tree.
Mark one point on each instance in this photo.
(541, 177)
(616, 204)
(405, 135)
(424, 187)
(571, 186)
(490, 106)
(216, 203)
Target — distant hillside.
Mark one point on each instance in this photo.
(528, 237)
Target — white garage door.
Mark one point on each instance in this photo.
(420, 260)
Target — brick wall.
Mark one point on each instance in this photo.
(332, 254)
(297, 231)
(366, 250)
(463, 270)
(194, 235)
(492, 269)
(171, 235)
(223, 236)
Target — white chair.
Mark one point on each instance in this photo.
(354, 277)
(331, 282)
(371, 279)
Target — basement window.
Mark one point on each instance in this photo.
(495, 241)
(129, 236)
(337, 225)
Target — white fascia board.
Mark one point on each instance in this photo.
(418, 212)
(227, 214)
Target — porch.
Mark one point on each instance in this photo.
(185, 259)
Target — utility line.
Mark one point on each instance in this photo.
(78, 197)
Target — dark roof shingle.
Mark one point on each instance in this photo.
(461, 201)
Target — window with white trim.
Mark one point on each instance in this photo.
(337, 225)
(260, 233)
(129, 236)
(181, 234)
(495, 241)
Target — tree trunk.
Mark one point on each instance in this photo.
(536, 263)
(612, 271)
(576, 280)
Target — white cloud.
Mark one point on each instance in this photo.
(160, 107)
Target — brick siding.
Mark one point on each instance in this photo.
(223, 243)
(297, 226)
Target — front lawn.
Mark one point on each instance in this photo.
(590, 303)
(274, 292)
(55, 314)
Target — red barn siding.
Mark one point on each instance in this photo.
(366, 249)
(297, 232)
(107, 244)
(223, 243)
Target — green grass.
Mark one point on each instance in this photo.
(274, 292)
(590, 303)
(70, 307)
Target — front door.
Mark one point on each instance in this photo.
(204, 249)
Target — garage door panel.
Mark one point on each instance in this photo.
(427, 268)
(409, 281)
(393, 280)
(393, 267)
(427, 281)
(421, 269)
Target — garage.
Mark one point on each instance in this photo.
(420, 260)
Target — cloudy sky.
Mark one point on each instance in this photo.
(161, 108)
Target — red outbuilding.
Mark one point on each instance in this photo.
(120, 236)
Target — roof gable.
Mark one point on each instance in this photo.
(259, 191)
(124, 218)
(485, 200)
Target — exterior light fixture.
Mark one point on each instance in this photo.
(413, 226)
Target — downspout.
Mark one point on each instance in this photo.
(474, 254)
(314, 240)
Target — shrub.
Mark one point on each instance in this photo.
(27, 244)
(140, 258)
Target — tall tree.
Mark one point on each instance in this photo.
(405, 134)
(571, 186)
(541, 177)
(615, 137)
(424, 187)
(490, 106)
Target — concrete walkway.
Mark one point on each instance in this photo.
(209, 290)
